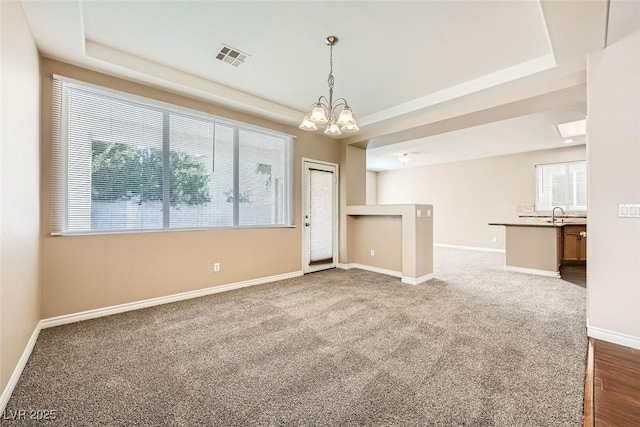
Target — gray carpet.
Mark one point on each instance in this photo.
(476, 346)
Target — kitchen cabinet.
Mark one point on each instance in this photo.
(575, 243)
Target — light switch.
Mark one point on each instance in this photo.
(419, 213)
(623, 210)
(429, 213)
(629, 210)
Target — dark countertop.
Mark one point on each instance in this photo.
(542, 222)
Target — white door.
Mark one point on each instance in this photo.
(320, 215)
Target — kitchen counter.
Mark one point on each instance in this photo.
(535, 245)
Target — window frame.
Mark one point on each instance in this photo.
(59, 162)
(537, 190)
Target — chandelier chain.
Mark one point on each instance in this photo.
(330, 80)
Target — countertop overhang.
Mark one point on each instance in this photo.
(542, 222)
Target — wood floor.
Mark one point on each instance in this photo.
(615, 386)
(574, 273)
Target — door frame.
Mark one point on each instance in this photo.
(306, 243)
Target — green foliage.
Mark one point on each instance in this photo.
(121, 172)
(243, 197)
(189, 180)
(264, 169)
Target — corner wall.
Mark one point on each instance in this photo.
(613, 128)
(467, 195)
(19, 187)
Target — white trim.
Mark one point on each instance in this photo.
(344, 266)
(307, 165)
(17, 371)
(546, 273)
(121, 308)
(613, 337)
(394, 273)
(470, 248)
(412, 281)
(375, 269)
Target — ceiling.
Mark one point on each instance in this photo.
(401, 65)
(520, 134)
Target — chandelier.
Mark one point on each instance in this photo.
(337, 115)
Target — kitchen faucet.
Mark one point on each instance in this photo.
(553, 213)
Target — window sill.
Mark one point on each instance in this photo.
(172, 230)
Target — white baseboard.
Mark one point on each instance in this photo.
(412, 281)
(394, 273)
(470, 248)
(17, 371)
(375, 269)
(546, 273)
(121, 308)
(613, 337)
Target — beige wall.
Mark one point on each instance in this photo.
(468, 195)
(19, 187)
(93, 271)
(613, 270)
(352, 189)
(372, 188)
(537, 248)
(383, 235)
(415, 236)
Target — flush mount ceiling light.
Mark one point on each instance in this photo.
(337, 116)
(404, 158)
(572, 129)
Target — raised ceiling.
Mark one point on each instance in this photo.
(395, 59)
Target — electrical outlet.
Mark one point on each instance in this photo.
(494, 239)
(216, 267)
(373, 253)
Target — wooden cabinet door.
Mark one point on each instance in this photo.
(582, 247)
(571, 246)
(575, 246)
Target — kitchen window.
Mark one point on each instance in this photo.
(127, 163)
(563, 185)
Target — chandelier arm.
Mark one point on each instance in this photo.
(324, 104)
(339, 102)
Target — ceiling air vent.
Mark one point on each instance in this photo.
(231, 55)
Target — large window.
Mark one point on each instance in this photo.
(128, 163)
(561, 184)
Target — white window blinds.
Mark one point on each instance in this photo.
(563, 185)
(321, 216)
(125, 163)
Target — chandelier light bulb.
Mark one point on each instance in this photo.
(318, 115)
(350, 128)
(332, 129)
(346, 117)
(307, 124)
